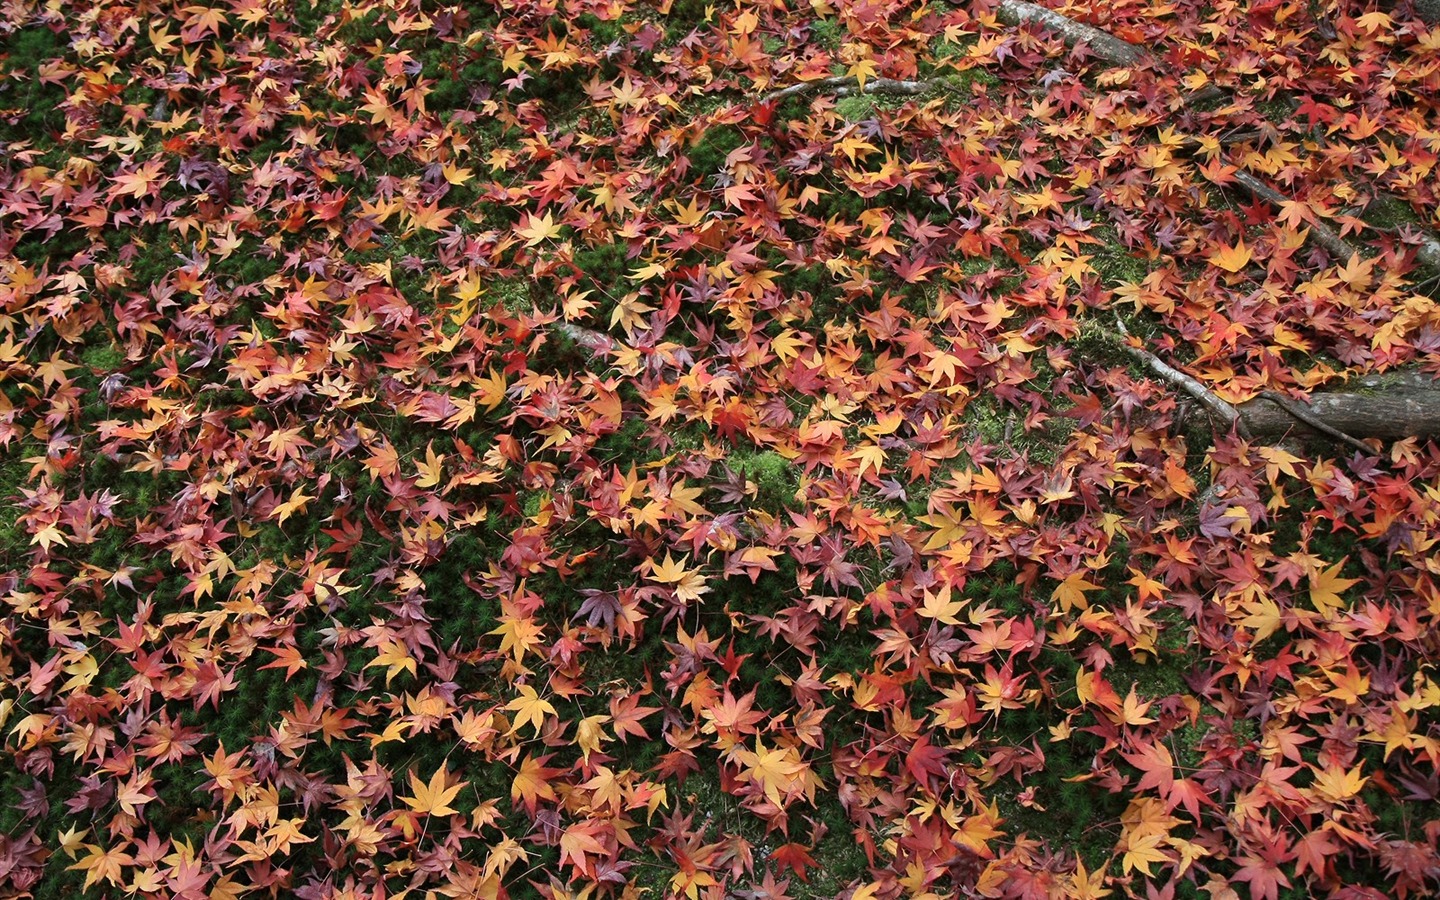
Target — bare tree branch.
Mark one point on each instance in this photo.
(1103, 44)
(1220, 409)
(847, 85)
(1315, 422)
(1339, 248)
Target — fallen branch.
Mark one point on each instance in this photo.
(1388, 414)
(1339, 248)
(1102, 43)
(1427, 252)
(1116, 52)
(1220, 409)
(1427, 248)
(1121, 53)
(596, 343)
(1310, 419)
(1387, 407)
(846, 85)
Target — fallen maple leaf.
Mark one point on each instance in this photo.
(433, 797)
(1231, 259)
(773, 770)
(531, 708)
(1326, 587)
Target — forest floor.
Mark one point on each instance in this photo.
(597, 448)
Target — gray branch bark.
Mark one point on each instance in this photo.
(1339, 249)
(1388, 407)
(1104, 45)
(1390, 414)
(846, 85)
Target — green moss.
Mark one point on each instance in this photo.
(948, 49)
(959, 87)
(1185, 745)
(309, 14)
(24, 52)
(103, 357)
(1158, 677)
(1387, 212)
(1102, 345)
(512, 293)
(686, 16)
(989, 421)
(997, 586)
(840, 861)
(978, 265)
(827, 34)
(604, 265)
(1078, 817)
(1277, 109)
(707, 156)
(1115, 264)
(29, 47)
(774, 477)
(856, 107)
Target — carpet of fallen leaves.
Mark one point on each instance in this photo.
(504, 449)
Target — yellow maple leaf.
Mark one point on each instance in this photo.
(430, 469)
(1325, 588)
(671, 571)
(629, 312)
(433, 798)
(1263, 615)
(590, 735)
(1338, 785)
(787, 345)
(940, 607)
(1278, 461)
(773, 770)
(1133, 711)
(1141, 850)
(529, 707)
(853, 146)
(513, 60)
(870, 456)
(1231, 259)
(532, 783)
(538, 229)
(689, 584)
(49, 536)
(519, 635)
(690, 881)
(490, 391)
(71, 840)
(104, 864)
(1071, 592)
(862, 70)
(393, 655)
(1087, 885)
(394, 731)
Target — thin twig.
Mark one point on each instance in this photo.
(1222, 410)
(846, 85)
(1314, 421)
